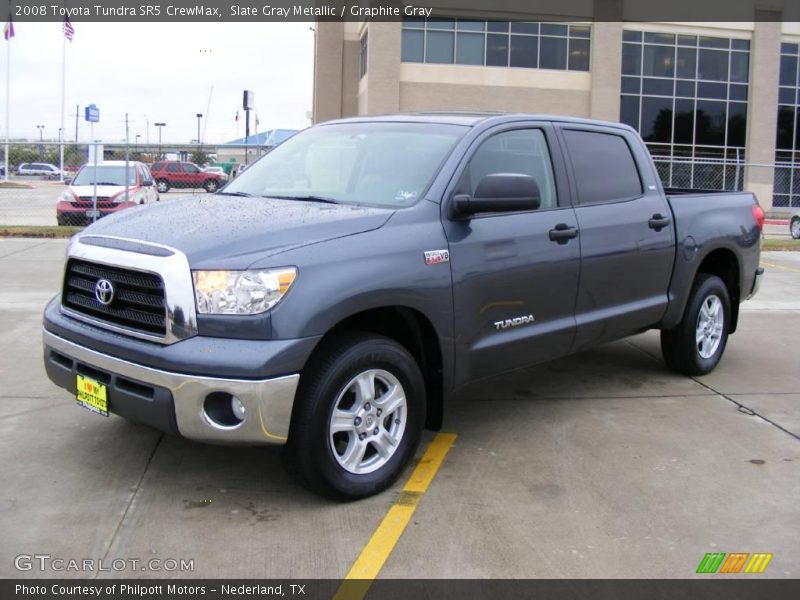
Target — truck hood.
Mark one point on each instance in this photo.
(220, 232)
(103, 191)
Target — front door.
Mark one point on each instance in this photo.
(515, 275)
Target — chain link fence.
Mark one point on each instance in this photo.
(38, 191)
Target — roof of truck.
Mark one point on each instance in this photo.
(471, 119)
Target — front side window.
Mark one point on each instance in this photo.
(378, 164)
(173, 168)
(603, 166)
(522, 151)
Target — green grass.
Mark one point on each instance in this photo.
(784, 244)
(39, 231)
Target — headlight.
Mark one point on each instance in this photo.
(241, 292)
(67, 196)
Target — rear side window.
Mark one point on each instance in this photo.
(604, 167)
(157, 166)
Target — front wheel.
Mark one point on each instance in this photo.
(794, 228)
(211, 186)
(162, 185)
(358, 417)
(695, 346)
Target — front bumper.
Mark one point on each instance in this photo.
(174, 402)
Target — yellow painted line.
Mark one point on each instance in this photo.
(781, 267)
(372, 558)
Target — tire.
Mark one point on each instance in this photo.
(62, 220)
(211, 186)
(329, 460)
(162, 185)
(794, 228)
(696, 345)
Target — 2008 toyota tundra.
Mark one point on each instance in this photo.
(335, 294)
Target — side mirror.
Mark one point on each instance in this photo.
(147, 183)
(500, 192)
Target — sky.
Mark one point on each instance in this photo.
(158, 72)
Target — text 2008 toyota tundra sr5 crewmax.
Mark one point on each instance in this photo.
(333, 296)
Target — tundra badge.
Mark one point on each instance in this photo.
(515, 322)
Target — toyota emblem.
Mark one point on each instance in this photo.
(104, 292)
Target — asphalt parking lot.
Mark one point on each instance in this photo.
(600, 465)
(36, 205)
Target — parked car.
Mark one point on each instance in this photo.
(175, 174)
(368, 268)
(39, 169)
(219, 171)
(794, 226)
(76, 204)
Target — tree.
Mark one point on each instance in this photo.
(199, 157)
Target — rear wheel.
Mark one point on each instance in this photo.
(358, 418)
(794, 228)
(162, 185)
(696, 345)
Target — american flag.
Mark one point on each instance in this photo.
(8, 30)
(69, 30)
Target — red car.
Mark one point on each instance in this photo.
(76, 204)
(175, 174)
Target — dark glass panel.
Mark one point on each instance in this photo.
(631, 59)
(412, 45)
(686, 63)
(740, 67)
(685, 89)
(524, 51)
(657, 87)
(714, 42)
(710, 121)
(684, 121)
(738, 92)
(578, 54)
(659, 61)
(788, 70)
(517, 27)
(716, 91)
(629, 111)
(497, 50)
(785, 135)
(737, 123)
(554, 29)
(553, 53)
(439, 47)
(497, 26)
(657, 119)
(659, 38)
(631, 85)
(469, 49)
(712, 65)
(631, 36)
(687, 40)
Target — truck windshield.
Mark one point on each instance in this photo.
(106, 175)
(377, 164)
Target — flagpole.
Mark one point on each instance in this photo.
(8, 102)
(63, 108)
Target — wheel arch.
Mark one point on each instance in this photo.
(724, 264)
(416, 333)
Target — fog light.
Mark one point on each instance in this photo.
(238, 408)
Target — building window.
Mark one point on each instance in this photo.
(787, 144)
(362, 56)
(559, 46)
(687, 96)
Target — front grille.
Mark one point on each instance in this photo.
(138, 302)
(84, 202)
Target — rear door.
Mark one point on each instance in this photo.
(626, 233)
(514, 287)
(194, 176)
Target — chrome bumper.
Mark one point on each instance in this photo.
(756, 282)
(268, 402)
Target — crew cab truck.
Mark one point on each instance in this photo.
(336, 294)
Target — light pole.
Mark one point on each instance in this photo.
(41, 140)
(159, 125)
(199, 116)
(136, 143)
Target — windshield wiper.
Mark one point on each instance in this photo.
(309, 198)
(242, 194)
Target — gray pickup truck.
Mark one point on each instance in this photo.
(338, 292)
